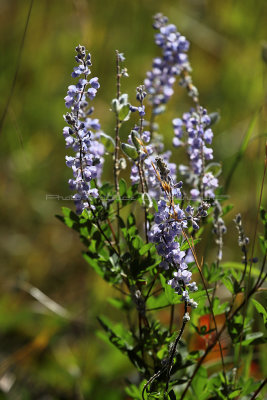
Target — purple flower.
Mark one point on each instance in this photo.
(91, 92)
(169, 222)
(94, 83)
(193, 132)
(82, 134)
(121, 57)
(161, 78)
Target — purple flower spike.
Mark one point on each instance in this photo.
(82, 134)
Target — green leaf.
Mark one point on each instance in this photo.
(186, 246)
(118, 335)
(227, 209)
(137, 243)
(94, 263)
(159, 301)
(239, 267)
(263, 244)
(261, 310)
(263, 215)
(234, 394)
(131, 220)
(136, 139)
(144, 249)
(171, 296)
(108, 142)
(130, 151)
(134, 392)
(228, 283)
(200, 381)
(122, 188)
(121, 304)
(214, 168)
(124, 112)
(252, 337)
(172, 395)
(196, 296)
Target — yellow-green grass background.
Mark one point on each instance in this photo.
(67, 360)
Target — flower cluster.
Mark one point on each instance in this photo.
(169, 224)
(219, 228)
(83, 133)
(195, 125)
(154, 147)
(173, 61)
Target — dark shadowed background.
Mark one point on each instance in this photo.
(51, 351)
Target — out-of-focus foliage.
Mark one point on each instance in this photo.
(48, 350)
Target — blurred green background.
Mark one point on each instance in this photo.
(56, 354)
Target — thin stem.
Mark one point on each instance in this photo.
(17, 67)
(210, 347)
(117, 142)
(174, 349)
(171, 319)
(168, 365)
(102, 232)
(158, 308)
(246, 264)
(252, 254)
(151, 123)
(143, 191)
(141, 172)
(259, 389)
(151, 286)
(262, 268)
(209, 300)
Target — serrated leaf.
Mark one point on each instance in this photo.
(118, 335)
(228, 283)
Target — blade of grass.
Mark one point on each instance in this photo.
(240, 267)
(17, 67)
(252, 254)
(241, 150)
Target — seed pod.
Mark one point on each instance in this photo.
(214, 118)
(136, 139)
(146, 200)
(115, 105)
(130, 151)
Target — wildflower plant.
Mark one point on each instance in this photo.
(142, 236)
